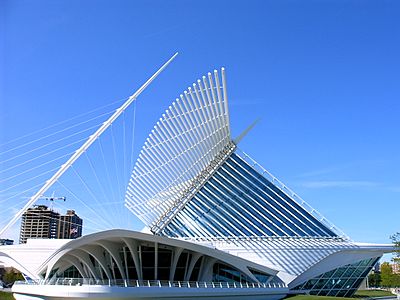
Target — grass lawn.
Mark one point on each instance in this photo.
(358, 295)
(372, 293)
(312, 297)
(6, 296)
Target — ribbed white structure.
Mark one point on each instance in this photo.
(300, 259)
(122, 264)
(109, 244)
(292, 255)
(185, 141)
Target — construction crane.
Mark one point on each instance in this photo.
(52, 199)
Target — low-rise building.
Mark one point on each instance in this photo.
(4, 242)
(395, 268)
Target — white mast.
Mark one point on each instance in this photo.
(84, 147)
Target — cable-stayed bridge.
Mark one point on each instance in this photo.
(87, 159)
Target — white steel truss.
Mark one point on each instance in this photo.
(293, 255)
(191, 137)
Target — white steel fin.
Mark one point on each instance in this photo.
(188, 137)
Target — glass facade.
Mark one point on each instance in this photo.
(71, 272)
(225, 273)
(340, 282)
(239, 201)
(147, 255)
(261, 277)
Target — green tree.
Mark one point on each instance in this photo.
(388, 278)
(374, 280)
(386, 274)
(396, 258)
(11, 276)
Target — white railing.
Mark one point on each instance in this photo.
(232, 238)
(151, 283)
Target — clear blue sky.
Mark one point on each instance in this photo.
(323, 76)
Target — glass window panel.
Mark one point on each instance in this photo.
(259, 208)
(293, 203)
(349, 283)
(350, 293)
(226, 212)
(358, 272)
(332, 293)
(328, 274)
(234, 207)
(132, 274)
(343, 278)
(206, 221)
(255, 225)
(164, 258)
(181, 266)
(340, 283)
(196, 270)
(330, 283)
(339, 272)
(322, 292)
(271, 203)
(349, 271)
(226, 273)
(263, 211)
(366, 262)
(261, 277)
(341, 293)
(320, 284)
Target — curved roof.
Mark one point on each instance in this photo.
(111, 240)
(5, 258)
(27, 258)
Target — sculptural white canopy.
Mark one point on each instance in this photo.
(185, 141)
(189, 180)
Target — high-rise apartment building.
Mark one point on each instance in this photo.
(41, 222)
(70, 226)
